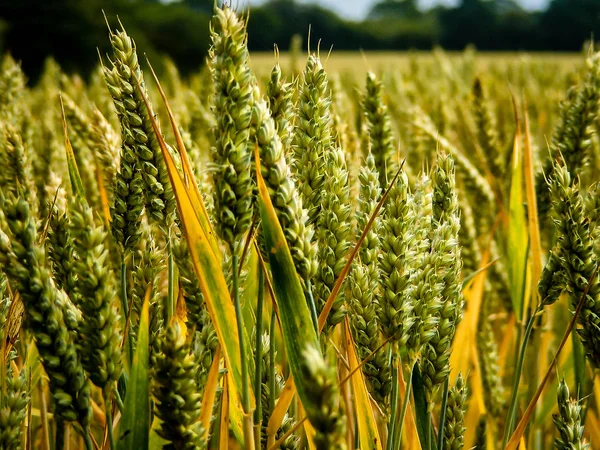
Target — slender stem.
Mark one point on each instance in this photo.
(119, 401)
(272, 373)
(125, 305)
(579, 364)
(258, 359)
(87, 440)
(248, 431)
(404, 407)
(170, 309)
(43, 416)
(59, 438)
(440, 440)
(428, 432)
(394, 403)
(312, 306)
(533, 371)
(512, 410)
(109, 418)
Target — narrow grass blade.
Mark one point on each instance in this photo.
(224, 422)
(296, 324)
(465, 332)
(340, 280)
(367, 427)
(134, 429)
(466, 281)
(189, 180)
(532, 211)
(421, 412)
(207, 265)
(263, 267)
(104, 202)
(283, 404)
(517, 245)
(409, 430)
(76, 182)
(210, 394)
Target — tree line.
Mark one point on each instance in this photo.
(72, 30)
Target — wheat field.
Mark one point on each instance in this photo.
(306, 250)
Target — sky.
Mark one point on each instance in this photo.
(358, 9)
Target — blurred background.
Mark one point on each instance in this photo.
(71, 30)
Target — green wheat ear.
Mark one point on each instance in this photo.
(568, 421)
(379, 127)
(571, 140)
(126, 84)
(128, 202)
(24, 263)
(100, 331)
(12, 91)
(281, 104)
(313, 135)
(445, 230)
(363, 290)
(396, 305)
(333, 234)
(15, 176)
(323, 409)
(13, 409)
(176, 391)
(456, 407)
(232, 108)
(575, 250)
(487, 135)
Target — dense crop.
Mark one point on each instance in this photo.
(277, 257)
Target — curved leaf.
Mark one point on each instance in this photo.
(367, 427)
(135, 423)
(296, 324)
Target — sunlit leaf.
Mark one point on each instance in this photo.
(367, 427)
(134, 430)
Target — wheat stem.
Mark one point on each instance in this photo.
(440, 439)
(405, 403)
(125, 306)
(258, 358)
(248, 438)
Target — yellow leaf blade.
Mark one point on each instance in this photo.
(189, 180)
(281, 407)
(207, 265)
(464, 332)
(367, 427)
(210, 393)
(518, 239)
(532, 211)
(224, 423)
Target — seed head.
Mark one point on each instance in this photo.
(568, 421)
(100, 332)
(379, 127)
(24, 264)
(397, 254)
(454, 426)
(313, 136)
(232, 108)
(176, 391)
(126, 85)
